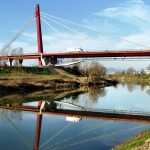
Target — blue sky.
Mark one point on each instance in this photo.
(127, 19)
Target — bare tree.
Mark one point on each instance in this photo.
(148, 67)
(17, 51)
(83, 67)
(8, 51)
(131, 71)
(142, 71)
(95, 72)
(4, 52)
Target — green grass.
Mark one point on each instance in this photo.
(31, 72)
(134, 142)
(131, 78)
(26, 70)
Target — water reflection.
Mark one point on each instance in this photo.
(148, 92)
(38, 131)
(15, 115)
(124, 96)
(8, 118)
(21, 97)
(130, 87)
(127, 97)
(95, 93)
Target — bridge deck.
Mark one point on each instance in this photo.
(91, 113)
(139, 53)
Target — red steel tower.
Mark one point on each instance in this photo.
(39, 32)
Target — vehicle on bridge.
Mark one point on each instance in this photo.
(73, 50)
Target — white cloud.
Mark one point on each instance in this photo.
(141, 38)
(30, 36)
(134, 12)
(27, 47)
(80, 40)
(60, 42)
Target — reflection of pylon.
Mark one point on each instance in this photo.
(39, 32)
(39, 104)
(38, 128)
(38, 131)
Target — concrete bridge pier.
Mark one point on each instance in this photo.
(48, 61)
(10, 62)
(20, 62)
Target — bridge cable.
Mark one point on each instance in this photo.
(54, 29)
(56, 134)
(61, 24)
(99, 137)
(20, 135)
(75, 136)
(89, 28)
(19, 32)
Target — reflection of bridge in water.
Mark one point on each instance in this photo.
(106, 114)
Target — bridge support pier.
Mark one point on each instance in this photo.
(47, 61)
(10, 62)
(20, 62)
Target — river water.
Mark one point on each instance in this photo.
(18, 128)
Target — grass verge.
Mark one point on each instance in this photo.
(134, 142)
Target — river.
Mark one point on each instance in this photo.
(60, 132)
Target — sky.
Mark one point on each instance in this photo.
(106, 22)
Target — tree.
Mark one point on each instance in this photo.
(95, 72)
(83, 67)
(131, 71)
(142, 71)
(148, 67)
(9, 51)
(17, 51)
(4, 52)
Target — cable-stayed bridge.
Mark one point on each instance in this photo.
(52, 58)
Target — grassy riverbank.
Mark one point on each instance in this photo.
(34, 78)
(139, 142)
(127, 78)
(29, 72)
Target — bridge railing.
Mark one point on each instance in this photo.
(116, 111)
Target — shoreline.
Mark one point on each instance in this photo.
(142, 79)
(139, 142)
(29, 84)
